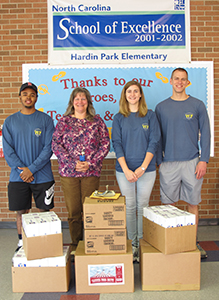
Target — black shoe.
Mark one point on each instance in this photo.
(19, 245)
(72, 256)
(18, 248)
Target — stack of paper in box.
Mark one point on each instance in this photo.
(37, 224)
(109, 266)
(39, 264)
(168, 216)
(168, 247)
(169, 229)
(20, 260)
(42, 235)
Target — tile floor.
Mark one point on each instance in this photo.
(208, 235)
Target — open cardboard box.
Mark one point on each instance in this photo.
(42, 246)
(103, 273)
(41, 279)
(160, 272)
(169, 240)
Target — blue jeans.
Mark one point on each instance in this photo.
(137, 196)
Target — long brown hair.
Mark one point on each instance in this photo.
(124, 105)
(90, 109)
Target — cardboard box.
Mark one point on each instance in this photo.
(42, 246)
(105, 273)
(169, 240)
(41, 279)
(100, 214)
(99, 241)
(160, 272)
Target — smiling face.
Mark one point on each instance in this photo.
(179, 81)
(133, 96)
(28, 99)
(80, 104)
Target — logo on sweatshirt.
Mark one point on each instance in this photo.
(145, 126)
(189, 115)
(37, 132)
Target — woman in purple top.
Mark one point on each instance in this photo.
(80, 142)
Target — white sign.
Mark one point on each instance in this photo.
(84, 32)
(111, 274)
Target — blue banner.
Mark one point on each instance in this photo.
(139, 30)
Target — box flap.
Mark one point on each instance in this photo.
(120, 200)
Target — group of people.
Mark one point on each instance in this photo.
(170, 137)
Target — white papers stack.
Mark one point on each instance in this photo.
(168, 216)
(19, 259)
(38, 224)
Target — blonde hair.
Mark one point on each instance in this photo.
(90, 109)
(124, 105)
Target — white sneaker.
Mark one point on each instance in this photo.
(19, 245)
(135, 251)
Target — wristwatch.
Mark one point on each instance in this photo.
(143, 168)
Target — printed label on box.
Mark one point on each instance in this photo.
(112, 274)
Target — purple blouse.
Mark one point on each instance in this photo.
(72, 136)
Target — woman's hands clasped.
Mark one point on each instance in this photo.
(133, 176)
(82, 166)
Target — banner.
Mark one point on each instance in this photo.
(105, 83)
(113, 32)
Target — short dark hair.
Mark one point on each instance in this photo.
(181, 70)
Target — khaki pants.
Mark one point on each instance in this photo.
(75, 190)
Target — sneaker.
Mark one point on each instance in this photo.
(203, 252)
(135, 251)
(19, 245)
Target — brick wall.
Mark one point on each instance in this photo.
(23, 36)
